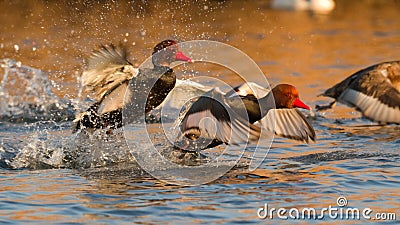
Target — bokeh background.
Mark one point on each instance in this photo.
(310, 50)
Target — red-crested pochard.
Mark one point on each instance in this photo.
(108, 74)
(374, 91)
(217, 118)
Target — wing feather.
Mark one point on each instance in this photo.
(289, 123)
(107, 68)
(371, 107)
(213, 118)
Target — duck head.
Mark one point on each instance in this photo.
(166, 52)
(287, 96)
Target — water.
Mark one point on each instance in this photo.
(42, 46)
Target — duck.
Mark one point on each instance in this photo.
(374, 91)
(234, 117)
(109, 74)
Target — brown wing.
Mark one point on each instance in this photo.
(106, 69)
(375, 91)
(211, 117)
(381, 83)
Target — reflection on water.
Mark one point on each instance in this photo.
(101, 183)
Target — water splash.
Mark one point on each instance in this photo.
(35, 126)
(35, 146)
(26, 95)
(48, 144)
(100, 149)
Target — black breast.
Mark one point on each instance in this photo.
(156, 82)
(161, 89)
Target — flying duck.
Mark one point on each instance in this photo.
(109, 74)
(374, 91)
(229, 118)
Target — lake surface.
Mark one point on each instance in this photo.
(42, 51)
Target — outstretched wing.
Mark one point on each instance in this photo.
(107, 68)
(376, 93)
(289, 123)
(212, 118)
(374, 108)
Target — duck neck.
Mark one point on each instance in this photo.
(167, 73)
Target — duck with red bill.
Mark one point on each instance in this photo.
(299, 104)
(111, 76)
(225, 122)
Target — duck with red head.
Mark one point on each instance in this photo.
(228, 124)
(109, 75)
(287, 96)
